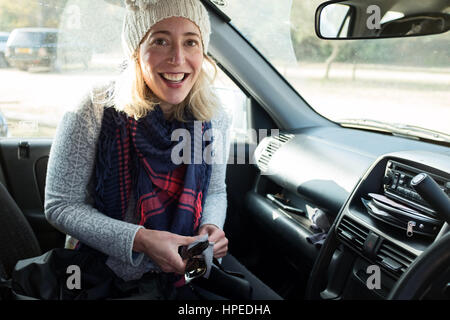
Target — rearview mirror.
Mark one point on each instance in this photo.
(368, 19)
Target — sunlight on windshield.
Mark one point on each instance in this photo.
(391, 80)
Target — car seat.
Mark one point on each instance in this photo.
(17, 238)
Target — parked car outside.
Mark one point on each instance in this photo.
(3, 38)
(30, 47)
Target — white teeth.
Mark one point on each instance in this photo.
(173, 76)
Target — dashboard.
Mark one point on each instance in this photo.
(362, 184)
(396, 225)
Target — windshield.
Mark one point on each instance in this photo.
(397, 81)
(26, 38)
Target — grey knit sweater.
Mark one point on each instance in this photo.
(69, 189)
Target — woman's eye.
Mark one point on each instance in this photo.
(192, 43)
(160, 42)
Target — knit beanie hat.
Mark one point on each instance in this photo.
(141, 15)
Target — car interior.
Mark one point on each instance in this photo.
(384, 197)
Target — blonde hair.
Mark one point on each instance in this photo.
(134, 97)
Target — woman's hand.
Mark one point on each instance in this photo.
(162, 248)
(217, 236)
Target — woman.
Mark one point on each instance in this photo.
(112, 182)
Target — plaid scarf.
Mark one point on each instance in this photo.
(134, 157)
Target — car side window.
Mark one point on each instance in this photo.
(64, 50)
(54, 53)
(236, 103)
(51, 38)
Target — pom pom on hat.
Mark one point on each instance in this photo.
(141, 15)
(139, 4)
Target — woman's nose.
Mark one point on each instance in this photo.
(177, 55)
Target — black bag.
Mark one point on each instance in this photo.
(46, 277)
(227, 284)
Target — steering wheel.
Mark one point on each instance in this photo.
(424, 271)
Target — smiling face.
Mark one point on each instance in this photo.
(171, 58)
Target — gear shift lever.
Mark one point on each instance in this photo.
(430, 191)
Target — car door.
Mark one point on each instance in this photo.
(23, 171)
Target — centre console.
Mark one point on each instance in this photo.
(384, 226)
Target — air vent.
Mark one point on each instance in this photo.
(394, 257)
(352, 232)
(274, 143)
(283, 137)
